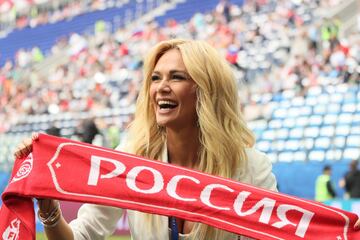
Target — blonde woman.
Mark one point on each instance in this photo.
(187, 114)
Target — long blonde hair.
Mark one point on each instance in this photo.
(223, 131)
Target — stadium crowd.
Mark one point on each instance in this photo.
(33, 13)
(273, 46)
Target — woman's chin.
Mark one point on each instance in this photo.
(161, 124)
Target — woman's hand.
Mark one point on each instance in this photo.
(46, 206)
(357, 225)
(49, 212)
(25, 147)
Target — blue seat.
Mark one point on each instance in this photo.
(315, 120)
(46, 36)
(342, 130)
(322, 143)
(353, 141)
(327, 131)
(351, 153)
(312, 132)
(292, 145)
(299, 156)
(339, 141)
(286, 156)
(316, 155)
(349, 107)
(296, 133)
(264, 146)
(289, 122)
(334, 154)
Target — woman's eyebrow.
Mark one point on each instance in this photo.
(178, 71)
(172, 72)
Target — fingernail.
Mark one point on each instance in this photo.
(35, 136)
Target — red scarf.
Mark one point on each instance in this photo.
(69, 170)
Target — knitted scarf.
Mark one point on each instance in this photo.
(63, 169)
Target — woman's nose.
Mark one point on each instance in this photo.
(164, 86)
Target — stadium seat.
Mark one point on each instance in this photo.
(296, 133)
(314, 91)
(302, 121)
(308, 143)
(292, 145)
(327, 130)
(342, 130)
(280, 113)
(349, 97)
(289, 122)
(333, 108)
(349, 108)
(339, 141)
(268, 135)
(275, 124)
(320, 109)
(315, 120)
(282, 133)
(334, 154)
(285, 157)
(323, 99)
(299, 156)
(336, 98)
(351, 154)
(264, 146)
(293, 112)
(330, 119)
(356, 119)
(311, 132)
(298, 102)
(322, 143)
(317, 155)
(355, 129)
(353, 141)
(345, 118)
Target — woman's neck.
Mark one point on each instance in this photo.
(183, 147)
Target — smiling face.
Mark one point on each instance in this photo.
(173, 92)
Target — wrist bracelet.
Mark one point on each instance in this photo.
(51, 219)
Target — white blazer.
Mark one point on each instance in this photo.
(95, 222)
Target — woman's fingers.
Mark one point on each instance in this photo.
(357, 224)
(35, 136)
(25, 147)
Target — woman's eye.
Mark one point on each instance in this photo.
(180, 77)
(154, 78)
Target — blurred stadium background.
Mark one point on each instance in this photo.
(73, 68)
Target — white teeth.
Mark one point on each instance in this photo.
(162, 102)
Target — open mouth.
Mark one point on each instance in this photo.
(167, 104)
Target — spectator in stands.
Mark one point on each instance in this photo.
(324, 189)
(261, 47)
(352, 180)
(113, 135)
(35, 13)
(87, 130)
(330, 32)
(187, 114)
(224, 8)
(54, 130)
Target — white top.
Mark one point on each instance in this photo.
(95, 222)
